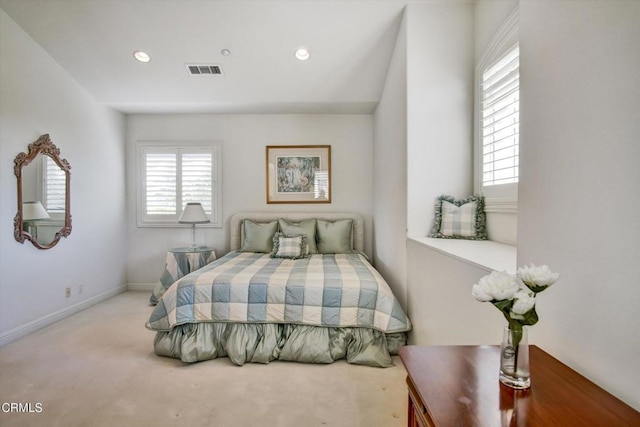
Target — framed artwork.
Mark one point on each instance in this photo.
(298, 174)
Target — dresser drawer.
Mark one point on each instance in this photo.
(418, 416)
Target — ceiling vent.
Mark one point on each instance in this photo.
(204, 69)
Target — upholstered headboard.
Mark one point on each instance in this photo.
(236, 237)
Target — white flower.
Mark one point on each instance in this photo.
(479, 294)
(515, 294)
(537, 278)
(498, 286)
(523, 301)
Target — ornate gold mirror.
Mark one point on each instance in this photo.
(43, 195)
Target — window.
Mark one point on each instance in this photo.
(498, 120)
(54, 186)
(173, 175)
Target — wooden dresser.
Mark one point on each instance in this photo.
(458, 386)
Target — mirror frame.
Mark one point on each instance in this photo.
(45, 146)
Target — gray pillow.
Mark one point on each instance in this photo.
(334, 237)
(306, 228)
(258, 236)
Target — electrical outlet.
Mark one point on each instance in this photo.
(67, 292)
(79, 289)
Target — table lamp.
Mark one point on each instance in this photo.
(193, 214)
(32, 211)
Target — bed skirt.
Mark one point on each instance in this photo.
(262, 343)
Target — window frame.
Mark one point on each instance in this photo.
(503, 197)
(215, 147)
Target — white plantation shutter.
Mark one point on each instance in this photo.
(161, 183)
(500, 120)
(55, 185)
(197, 178)
(172, 176)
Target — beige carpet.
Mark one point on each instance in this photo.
(97, 368)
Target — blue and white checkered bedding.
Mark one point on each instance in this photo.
(337, 290)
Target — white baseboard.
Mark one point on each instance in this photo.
(147, 287)
(28, 328)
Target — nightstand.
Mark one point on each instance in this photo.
(179, 263)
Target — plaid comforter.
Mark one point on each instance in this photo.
(337, 290)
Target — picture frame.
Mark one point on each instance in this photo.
(298, 173)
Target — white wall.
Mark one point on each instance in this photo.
(439, 286)
(489, 17)
(244, 138)
(442, 309)
(439, 107)
(38, 97)
(389, 173)
(580, 183)
(439, 144)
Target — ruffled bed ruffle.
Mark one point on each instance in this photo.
(262, 343)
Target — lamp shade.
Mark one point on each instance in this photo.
(193, 213)
(34, 210)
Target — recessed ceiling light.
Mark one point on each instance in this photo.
(225, 52)
(302, 54)
(141, 56)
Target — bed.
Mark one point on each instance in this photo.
(295, 287)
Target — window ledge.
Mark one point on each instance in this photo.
(484, 254)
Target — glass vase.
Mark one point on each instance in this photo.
(514, 359)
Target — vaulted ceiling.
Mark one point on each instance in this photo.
(350, 44)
